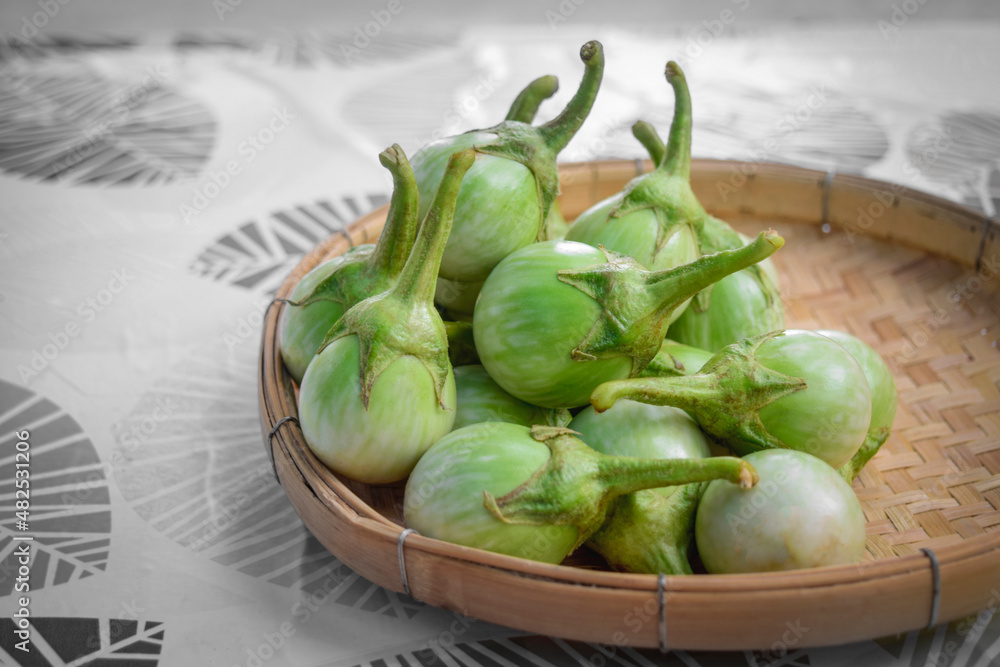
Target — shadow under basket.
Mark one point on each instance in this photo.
(913, 275)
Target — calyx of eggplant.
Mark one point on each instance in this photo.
(667, 190)
(577, 484)
(636, 303)
(410, 298)
(724, 397)
(536, 147)
(646, 532)
(364, 274)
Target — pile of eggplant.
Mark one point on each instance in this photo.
(624, 382)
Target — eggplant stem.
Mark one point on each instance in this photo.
(683, 391)
(525, 105)
(623, 474)
(557, 132)
(396, 240)
(418, 279)
(671, 286)
(650, 140)
(678, 158)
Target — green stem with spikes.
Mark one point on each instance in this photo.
(725, 398)
(410, 300)
(637, 304)
(577, 485)
(374, 272)
(537, 147)
(525, 105)
(418, 279)
(557, 132)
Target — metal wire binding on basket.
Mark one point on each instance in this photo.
(936, 589)
(277, 425)
(661, 600)
(402, 559)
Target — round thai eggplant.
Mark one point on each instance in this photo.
(791, 390)
(648, 531)
(506, 196)
(381, 389)
(884, 398)
(535, 493)
(556, 319)
(802, 514)
(326, 292)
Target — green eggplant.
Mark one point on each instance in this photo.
(506, 196)
(648, 531)
(555, 319)
(802, 514)
(790, 390)
(331, 288)
(884, 398)
(480, 399)
(535, 493)
(381, 390)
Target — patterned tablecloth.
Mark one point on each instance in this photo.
(155, 191)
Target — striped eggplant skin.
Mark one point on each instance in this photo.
(830, 417)
(630, 428)
(801, 514)
(481, 399)
(302, 328)
(743, 305)
(498, 209)
(884, 398)
(444, 494)
(879, 376)
(380, 444)
(738, 309)
(790, 389)
(534, 362)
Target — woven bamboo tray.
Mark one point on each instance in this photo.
(911, 274)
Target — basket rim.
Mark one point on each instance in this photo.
(295, 458)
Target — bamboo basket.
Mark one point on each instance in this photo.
(877, 260)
